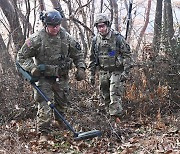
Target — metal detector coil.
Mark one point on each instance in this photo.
(88, 135)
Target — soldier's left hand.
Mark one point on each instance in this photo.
(80, 74)
(35, 72)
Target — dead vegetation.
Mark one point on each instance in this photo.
(150, 123)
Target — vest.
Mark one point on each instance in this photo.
(108, 52)
(54, 50)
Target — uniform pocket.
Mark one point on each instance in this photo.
(107, 62)
(111, 62)
(103, 61)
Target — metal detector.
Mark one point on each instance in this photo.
(77, 135)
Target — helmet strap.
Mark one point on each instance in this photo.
(46, 29)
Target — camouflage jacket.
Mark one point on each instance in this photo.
(41, 48)
(110, 53)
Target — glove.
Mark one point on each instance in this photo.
(92, 80)
(38, 70)
(35, 72)
(80, 74)
(123, 76)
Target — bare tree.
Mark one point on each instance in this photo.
(81, 10)
(57, 6)
(92, 11)
(157, 27)
(145, 25)
(10, 11)
(101, 4)
(75, 14)
(42, 5)
(2, 44)
(24, 21)
(115, 14)
(26, 27)
(168, 31)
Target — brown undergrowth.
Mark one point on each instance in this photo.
(150, 123)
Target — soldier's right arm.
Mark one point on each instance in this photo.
(27, 52)
(93, 57)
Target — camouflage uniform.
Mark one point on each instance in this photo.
(56, 53)
(111, 55)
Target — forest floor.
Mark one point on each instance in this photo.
(135, 132)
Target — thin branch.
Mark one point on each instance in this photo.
(82, 24)
(79, 8)
(5, 25)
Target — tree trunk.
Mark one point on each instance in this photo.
(145, 25)
(26, 27)
(2, 44)
(82, 39)
(128, 39)
(170, 48)
(157, 27)
(92, 15)
(101, 6)
(115, 14)
(168, 29)
(23, 20)
(12, 17)
(42, 5)
(57, 6)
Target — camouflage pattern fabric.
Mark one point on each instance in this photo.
(101, 18)
(111, 55)
(55, 52)
(57, 92)
(51, 51)
(111, 90)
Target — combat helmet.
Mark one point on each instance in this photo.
(102, 18)
(52, 17)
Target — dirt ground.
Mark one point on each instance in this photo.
(143, 128)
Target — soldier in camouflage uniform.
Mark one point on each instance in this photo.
(48, 55)
(109, 53)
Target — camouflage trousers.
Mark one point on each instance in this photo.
(111, 91)
(57, 92)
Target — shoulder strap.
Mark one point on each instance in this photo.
(94, 44)
(94, 40)
(118, 40)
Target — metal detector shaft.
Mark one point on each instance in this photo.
(77, 136)
(53, 107)
(32, 80)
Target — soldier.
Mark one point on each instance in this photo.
(109, 53)
(48, 55)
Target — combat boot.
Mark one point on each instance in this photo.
(116, 121)
(43, 139)
(58, 125)
(103, 109)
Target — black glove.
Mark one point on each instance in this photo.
(80, 74)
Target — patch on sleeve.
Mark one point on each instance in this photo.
(28, 42)
(78, 46)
